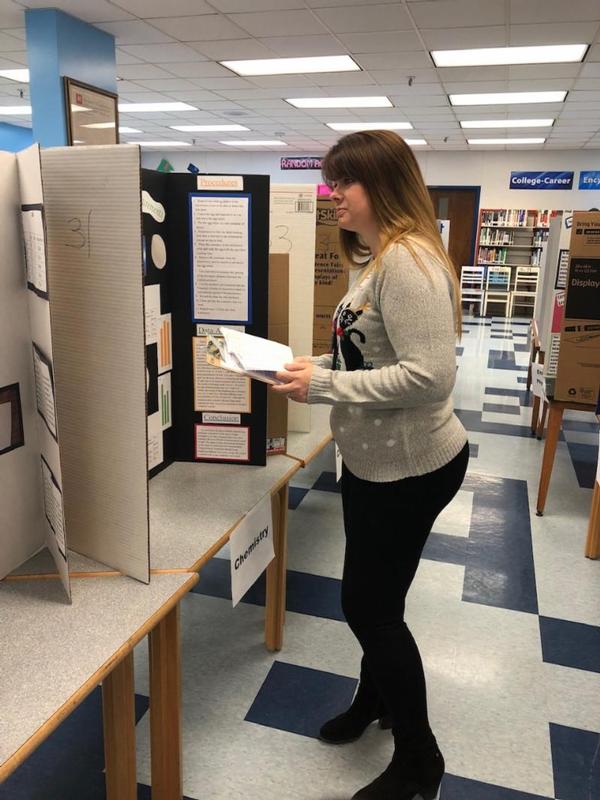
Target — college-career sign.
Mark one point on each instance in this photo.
(541, 180)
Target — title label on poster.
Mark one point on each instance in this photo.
(221, 183)
(541, 180)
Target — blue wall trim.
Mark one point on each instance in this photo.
(14, 137)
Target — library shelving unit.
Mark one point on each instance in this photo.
(512, 237)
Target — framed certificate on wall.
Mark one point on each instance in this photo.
(92, 114)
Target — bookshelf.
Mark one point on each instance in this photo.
(512, 237)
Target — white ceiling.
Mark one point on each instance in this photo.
(174, 57)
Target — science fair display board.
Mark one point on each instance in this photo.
(73, 458)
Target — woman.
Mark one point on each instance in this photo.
(389, 379)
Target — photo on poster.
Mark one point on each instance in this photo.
(34, 241)
(152, 312)
(165, 404)
(222, 443)
(165, 345)
(155, 441)
(221, 257)
(217, 389)
(11, 419)
(44, 389)
(53, 506)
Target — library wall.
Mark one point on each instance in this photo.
(488, 169)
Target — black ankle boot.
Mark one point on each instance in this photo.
(417, 774)
(349, 726)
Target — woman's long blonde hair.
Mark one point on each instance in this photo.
(385, 166)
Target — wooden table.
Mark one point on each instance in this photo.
(54, 654)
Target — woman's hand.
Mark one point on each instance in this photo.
(296, 380)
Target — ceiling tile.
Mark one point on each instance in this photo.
(134, 32)
(147, 9)
(358, 79)
(584, 97)
(9, 43)
(134, 72)
(593, 53)
(552, 33)
(590, 70)
(558, 71)
(18, 33)
(233, 6)
(401, 77)
(457, 13)
(130, 87)
(468, 74)
(195, 96)
(232, 49)
(87, 10)
(278, 23)
(356, 19)
(199, 69)
(195, 29)
(169, 85)
(292, 46)
(381, 42)
(458, 38)
(163, 53)
(553, 10)
(11, 15)
(415, 60)
(221, 84)
(126, 58)
(287, 83)
(415, 101)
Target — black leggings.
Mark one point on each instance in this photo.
(387, 525)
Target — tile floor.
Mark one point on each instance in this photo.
(505, 607)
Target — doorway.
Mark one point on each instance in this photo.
(460, 205)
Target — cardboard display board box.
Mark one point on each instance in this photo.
(277, 405)
(578, 377)
(331, 276)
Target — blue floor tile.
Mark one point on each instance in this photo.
(455, 788)
(570, 644)
(296, 496)
(522, 379)
(473, 450)
(503, 359)
(523, 395)
(585, 462)
(502, 408)
(473, 422)
(460, 351)
(326, 482)
(521, 348)
(447, 548)
(299, 700)
(576, 763)
(500, 568)
(580, 425)
(69, 764)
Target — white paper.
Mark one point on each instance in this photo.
(221, 258)
(152, 312)
(338, 463)
(165, 408)
(221, 183)
(218, 389)
(251, 548)
(53, 507)
(218, 418)
(44, 391)
(222, 443)
(158, 251)
(165, 346)
(255, 353)
(5, 425)
(35, 249)
(538, 384)
(152, 207)
(155, 441)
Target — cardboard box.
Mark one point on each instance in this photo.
(277, 406)
(331, 276)
(578, 375)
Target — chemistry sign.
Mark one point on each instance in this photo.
(541, 180)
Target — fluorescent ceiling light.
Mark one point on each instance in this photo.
(135, 108)
(250, 142)
(289, 66)
(413, 142)
(507, 123)
(506, 98)
(20, 75)
(370, 126)
(506, 141)
(128, 130)
(162, 144)
(340, 102)
(208, 128)
(490, 56)
(25, 110)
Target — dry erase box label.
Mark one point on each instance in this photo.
(222, 183)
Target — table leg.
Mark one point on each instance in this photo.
(554, 425)
(592, 544)
(542, 420)
(276, 573)
(535, 414)
(118, 711)
(165, 709)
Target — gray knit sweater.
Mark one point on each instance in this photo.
(395, 366)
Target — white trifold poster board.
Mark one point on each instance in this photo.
(293, 228)
(251, 548)
(72, 364)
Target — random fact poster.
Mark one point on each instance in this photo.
(221, 258)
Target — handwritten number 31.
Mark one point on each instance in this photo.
(81, 233)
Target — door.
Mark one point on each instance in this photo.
(460, 205)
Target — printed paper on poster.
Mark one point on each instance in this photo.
(217, 389)
(221, 258)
